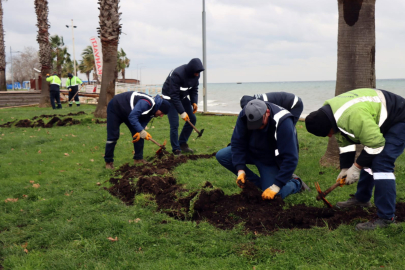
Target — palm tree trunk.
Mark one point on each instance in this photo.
(45, 51)
(356, 56)
(88, 77)
(3, 86)
(123, 74)
(109, 32)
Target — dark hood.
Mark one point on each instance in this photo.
(244, 100)
(194, 66)
(70, 75)
(329, 113)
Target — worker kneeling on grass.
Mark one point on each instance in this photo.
(135, 110)
(376, 119)
(264, 136)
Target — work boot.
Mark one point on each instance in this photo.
(371, 225)
(109, 165)
(184, 148)
(304, 187)
(140, 161)
(177, 153)
(353, 202)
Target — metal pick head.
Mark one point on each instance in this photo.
(200, 134)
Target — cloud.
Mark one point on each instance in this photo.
(255, 40)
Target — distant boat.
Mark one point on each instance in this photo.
(239, 83)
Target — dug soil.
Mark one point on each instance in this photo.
(39, 121)
(225, 211)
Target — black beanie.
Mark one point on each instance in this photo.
(318, 123)
(165, 106)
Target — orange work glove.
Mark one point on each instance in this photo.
(241, 180)
(184, 116)
(269, 193)
(195, 107)
(342, 181)
(136, 137)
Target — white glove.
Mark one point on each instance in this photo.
(353, 175)
(143, 134)
(342, 173)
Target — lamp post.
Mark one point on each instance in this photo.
(204, 59)
(73, 40)
(11, 60)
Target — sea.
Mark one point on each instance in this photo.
(225, 97)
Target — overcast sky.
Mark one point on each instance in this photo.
(247, 40)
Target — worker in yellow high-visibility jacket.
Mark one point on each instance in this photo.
(54, 89)
(72, 83)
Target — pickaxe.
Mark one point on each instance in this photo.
(75, 94)
(322, 195)
(162, 146)
(200, 133)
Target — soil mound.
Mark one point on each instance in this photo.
(223, 211)
(38, 121)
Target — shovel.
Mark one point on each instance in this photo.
(322, 195)
(200, 133)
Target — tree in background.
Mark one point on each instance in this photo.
(24, 64)
(67, 67)
(60, 53)
(109, 33)
(3, 86)
(356, 57)
(45, 50)
(88, 60)
(86, 69)
(122, 62)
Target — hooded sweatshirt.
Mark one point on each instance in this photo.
(136, 106)
(182, 82)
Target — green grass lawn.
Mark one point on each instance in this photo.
(64, 222)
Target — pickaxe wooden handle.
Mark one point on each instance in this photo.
(76, 94)
(196, 130)
(158, 144)
(326, 192)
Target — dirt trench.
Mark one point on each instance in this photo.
(39, 121)
(225, 211)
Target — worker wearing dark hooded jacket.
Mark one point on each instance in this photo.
(288, 101)
(376, 119)
(181, 88)
(264, 136)
(135, 110)
(54, 90)
(72, 84)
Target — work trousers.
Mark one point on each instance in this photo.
(55, 95)
(383, 178)
(173, 117)
(72, 93)
(114, 121)
(267, 173)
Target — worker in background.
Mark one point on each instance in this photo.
(264, 136)
(54, 89)
(135, 110)
(72, 84)
(181, 89)
(288, 101)
(375, 119)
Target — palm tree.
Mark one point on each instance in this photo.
(59, 53)
(88, 58)
(109, 33)
(356, 56)
(122, 62)
(67, 67)
(84, 67)
(45, 50)
(3, 86)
